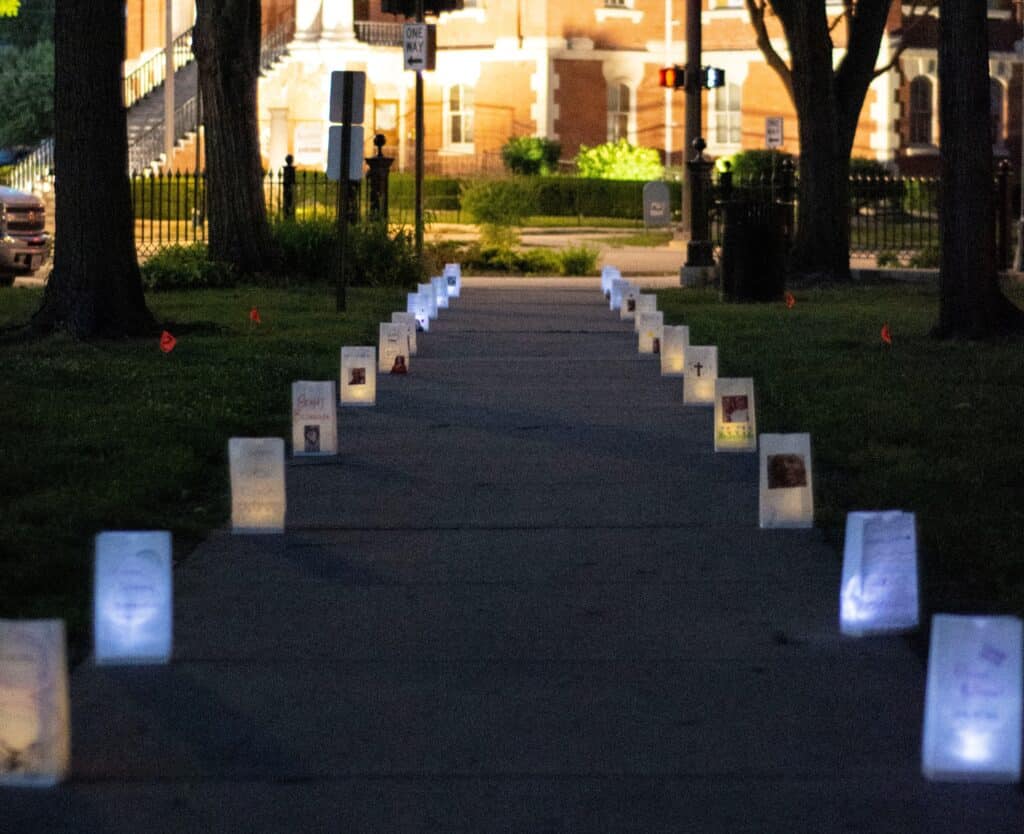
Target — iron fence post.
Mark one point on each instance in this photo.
(288, 188)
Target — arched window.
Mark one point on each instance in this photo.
(618, 112)
(725, 115)
(995, 103)
(920, 111)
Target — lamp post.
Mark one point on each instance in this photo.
(1018, 253)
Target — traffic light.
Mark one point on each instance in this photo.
(711, 77)
(672, 77)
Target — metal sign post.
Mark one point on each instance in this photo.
(348, 94)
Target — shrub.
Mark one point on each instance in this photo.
(927, 258)
(530, 155)
(754, 164)
(305, 246)
(887, 258)
(441, 252)
(619, 161)
(377, 258)
(540, 262)
(578, 260)
(185, 268)
(498, 206)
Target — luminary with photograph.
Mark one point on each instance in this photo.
(972, 702)
(440, 285)
(674, 341)
(645, 303)
(419, 306)
(408, 321)
(620, 287)
(627, 309)
(785, 497)
(35, 731)
(257, 484)
(314, 418)
(649, 332)
(700, 375)
(358, 382)
(453, 279)
(132, 609)
(878, 593)
(393, 350)
(430, 297)
(608, 274)
(735, 424)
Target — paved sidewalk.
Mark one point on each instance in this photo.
(526, 597)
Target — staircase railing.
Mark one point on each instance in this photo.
(31, 169)
(151, 73)
(150, 143)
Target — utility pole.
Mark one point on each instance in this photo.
(693, 90)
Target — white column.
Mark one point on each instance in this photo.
(168, 84)
(338, 21)
(278, 137)
(307, 20)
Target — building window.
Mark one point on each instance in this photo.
(460, 115)
(920, 111)
(725, 115)
(995, 103)
(618, 4)
(618, 112)
(725, 4)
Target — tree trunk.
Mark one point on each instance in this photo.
(226, 42)
(971, 304)
(94, 288)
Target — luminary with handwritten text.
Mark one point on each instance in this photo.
(440, 286)
(358, 382)
(972, 703)
(419, 305)
(35, 732)
(648, 330)
(785, 496)
(674, 341)
(700, 375)
(257, 484)
(620, 287)
(879, 589)
(408, 321)
(132, 607)
(392, 350)
(735, 423)
(430, 297)
(645, 303)
(314, 418)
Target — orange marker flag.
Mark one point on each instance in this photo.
(254, 316)
(886, 334)
(167, 342)
(790, 300)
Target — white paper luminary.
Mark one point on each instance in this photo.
(620, 287)
(674, 341)
(257, 484)
(878, 593)
(645, 303)
(648, 330)
(132, 609)
(453, 278)
(440, 285)
(627, 309)
(35, 743)
(972, 704)
(700, 375)
(314, 418)
(608, 274)
(735, 421)
(430, 297)
(393, 350)
(419, 305)
(358, 382)
(785, 497)
(408, 321)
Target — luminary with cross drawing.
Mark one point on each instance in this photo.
(700, 374)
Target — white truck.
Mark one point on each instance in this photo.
(24, 242)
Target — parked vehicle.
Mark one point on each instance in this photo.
(24, 242)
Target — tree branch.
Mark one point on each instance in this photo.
(757, 9)
(915, 16)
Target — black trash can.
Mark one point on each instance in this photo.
(754, 248)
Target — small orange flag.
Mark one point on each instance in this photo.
(886, 334)
(254, 316)
(790, 300)
(167, 342)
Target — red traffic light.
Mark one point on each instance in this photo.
(672, 77)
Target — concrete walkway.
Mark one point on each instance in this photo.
(526, 597)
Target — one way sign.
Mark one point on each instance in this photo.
(419, 45)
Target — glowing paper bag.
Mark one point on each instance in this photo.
(785, 497)
(608, 274)
(674, 341)
(440, 285)
(132, 609)
(257, 484)
(619, 288)
(700, 375)
(735, 423)
(393, 350)
(408, 321)
(419, 305)
(358, 382)
(314, 418)
(972, 702)
(35, 734)
(430, 297)
(645, 303)
(648, 330)
(879, 589)
(627, 309)
(453, 278)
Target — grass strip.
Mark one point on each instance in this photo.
(117, 435)
(925, 426)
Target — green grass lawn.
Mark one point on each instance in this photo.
(117, 435)
(926, 426)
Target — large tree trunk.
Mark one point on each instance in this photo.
(226, 42)
(94, 288)
(971, 303)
